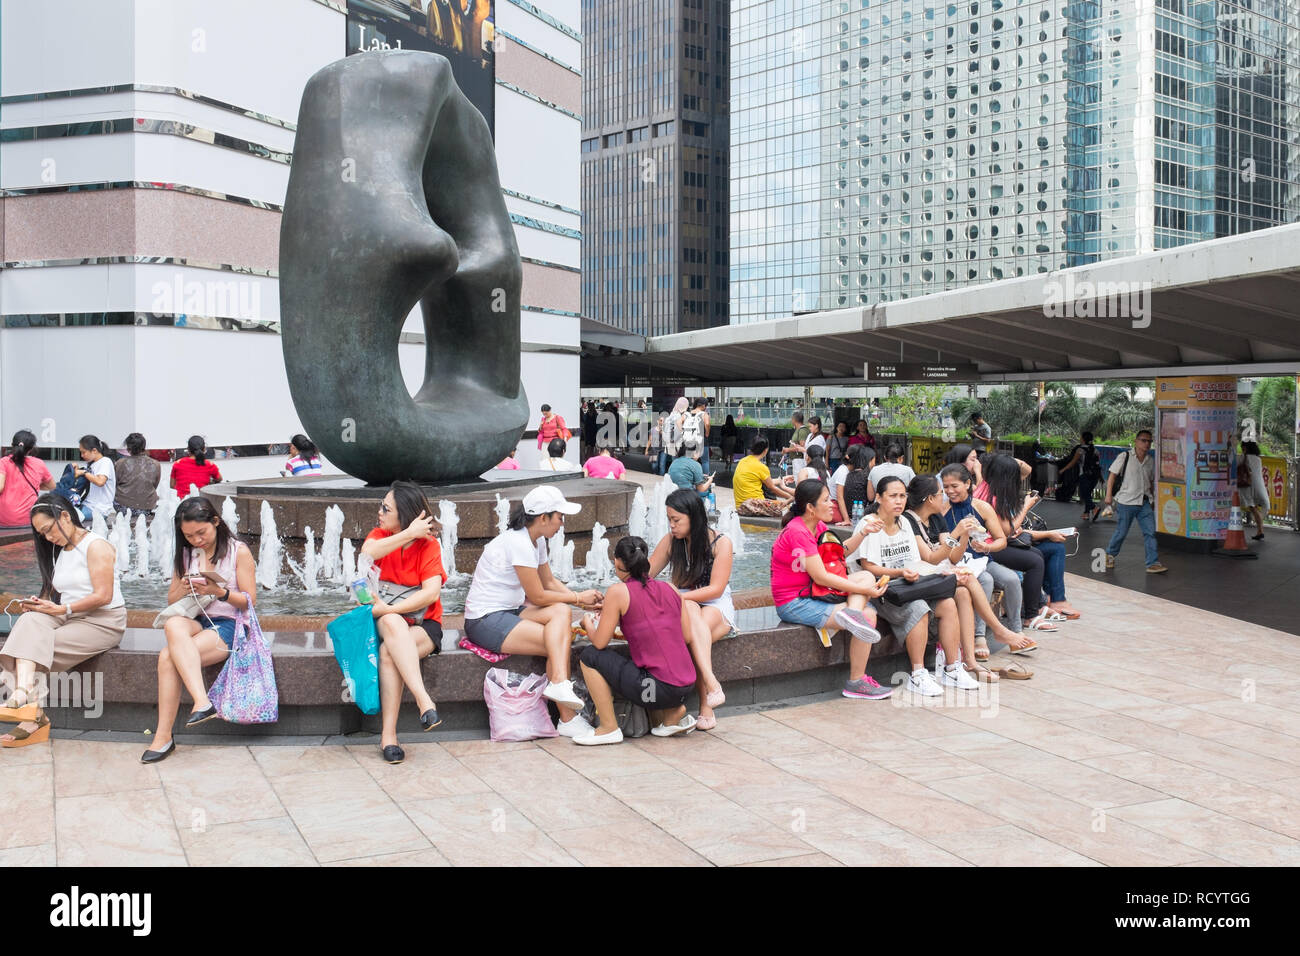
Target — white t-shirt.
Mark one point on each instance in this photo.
(889, 550)
(496, 586)
(547, 463)
(818, 439)
(100, 497)
(890, 468)
(838, 477)
(1139, 478)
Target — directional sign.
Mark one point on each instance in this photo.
(882, 373)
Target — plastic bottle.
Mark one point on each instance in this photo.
(858, 511)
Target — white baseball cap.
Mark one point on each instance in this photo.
(544, 499)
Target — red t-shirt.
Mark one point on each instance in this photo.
(187, 471)
(412, 565)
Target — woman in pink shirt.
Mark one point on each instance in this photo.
(658, 668)
(797, 566)
(22, 478)
(551, 426)
(603, 465)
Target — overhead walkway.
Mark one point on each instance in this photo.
(1227, 305)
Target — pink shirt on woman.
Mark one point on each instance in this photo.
(20, 490)
(652, 626)
(789, 576)
(604, 466)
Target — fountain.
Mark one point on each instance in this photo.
(598, 562)
(637, 517)
(98, 525)
(194, 491)
(141, 548)
(503, 513)
(309, 571)
(120, 539)
(229, 515)
(729, 524)
(330, 558)
(449, 521)
(347, 561)
(162, 532)
(561, 555)
(656, 514)
(270, 550)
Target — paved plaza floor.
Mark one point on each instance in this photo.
(1151, 734)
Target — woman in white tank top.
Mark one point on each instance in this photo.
(78, 614)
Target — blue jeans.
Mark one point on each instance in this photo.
(1053, 553)
(657, 462)
(704, 457)
(1145, 515)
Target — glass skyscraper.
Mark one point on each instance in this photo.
(883, 149)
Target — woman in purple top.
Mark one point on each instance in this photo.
(660, 672)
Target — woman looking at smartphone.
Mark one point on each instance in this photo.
(78, 614)
(203, 544)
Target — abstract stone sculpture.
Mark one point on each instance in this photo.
(394, 199)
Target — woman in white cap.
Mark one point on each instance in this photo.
(516, 606)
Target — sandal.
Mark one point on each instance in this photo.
(983, 674)
(15, 713)
(21, 738)
(1041, 623)
(1070, 615)
(981, 651)
(1027, 649)
(1013, 671)
(1056, 617)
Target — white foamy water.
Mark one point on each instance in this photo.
(729, 524)
(331, 561)
(141, 548)
(636, 517)
(270, 551)
(120, 539)
(503, 513)
(450, 521)
(599, 564)
(229, 515)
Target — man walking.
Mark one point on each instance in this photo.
(1131, 488)
(980, 431)
(795, 451)
(702, 414)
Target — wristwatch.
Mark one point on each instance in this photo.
(226, 596)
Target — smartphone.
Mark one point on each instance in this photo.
(200, 576)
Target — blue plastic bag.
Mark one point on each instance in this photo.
(356, 648)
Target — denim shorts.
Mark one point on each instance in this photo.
(807, 611)
(491, 630)
(224, 626)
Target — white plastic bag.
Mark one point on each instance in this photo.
(516, 707)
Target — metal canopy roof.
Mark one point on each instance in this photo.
(1230, 305)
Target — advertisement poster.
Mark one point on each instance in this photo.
(1275, 481)
(1197, 426)
(460, 30)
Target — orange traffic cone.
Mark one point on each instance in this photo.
(1234, 546)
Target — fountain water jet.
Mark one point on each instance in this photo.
(141, 548)
(330, 559)
(270, 550)
(503, 514)
(637, 517)
(448, 519)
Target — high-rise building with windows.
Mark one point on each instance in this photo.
(654, 164)
(883, 150)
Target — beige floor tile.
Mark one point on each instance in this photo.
(1008, 846)
(131, 828)
(430, 857)
(21, 856)
(483, 829)
(603, 761)
(30, 755)
(1213, 833)
(248, 843)
(1258, 805)
(282, 761)
(344, 813)
(84, 767)
(892, 847)
(427, 772)
(638, 843)
(812, 859)
(207, 787)
(467, 748)
(551, 794)
(28, 794)
(1199, 723)
(1254, 713)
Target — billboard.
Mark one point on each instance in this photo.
(1196, 426)
(461, 30)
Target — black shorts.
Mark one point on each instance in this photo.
(633, 683)
(432, 628)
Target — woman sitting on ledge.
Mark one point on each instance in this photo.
(80, 613)
(797, 566)
(516, 606)
(203, 543)
(405, 547)
(657, 671)
(701, 563)
(603, 465)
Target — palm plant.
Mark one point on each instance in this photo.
(1116, 412)
(1272, 406)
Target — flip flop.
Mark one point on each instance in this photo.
(1013, 671)
(983, 674)
(1056, 617)
(1069, 615)
(1024, 650)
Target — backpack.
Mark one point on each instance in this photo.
(672, 434)
(831, 551)
(693, 431)
(1090, 466)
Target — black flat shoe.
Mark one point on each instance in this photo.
(394, 754)
(155, 756)
(202, 716)
(430, 719)
(1256, 537)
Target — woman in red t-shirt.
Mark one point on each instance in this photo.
(405, 548)
(194, 469)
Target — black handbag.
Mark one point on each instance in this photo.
(929, 587)
(1025, 539)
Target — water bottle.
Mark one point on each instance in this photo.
(712, 501)
(858, 511)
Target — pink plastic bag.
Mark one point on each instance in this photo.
(516, 707)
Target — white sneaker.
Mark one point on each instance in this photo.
(922, 683)
(940, 659)
(577, 727)
(595, 740)
(957, 676)
(562, 693)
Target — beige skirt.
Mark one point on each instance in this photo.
(56, 645)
